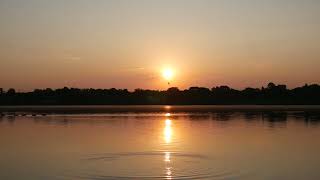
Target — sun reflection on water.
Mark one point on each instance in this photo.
(167, 157)
(167, 131)
(167, 160)
(167, 154)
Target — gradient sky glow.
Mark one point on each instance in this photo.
(126, 43)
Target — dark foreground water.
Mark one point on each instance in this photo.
(217, 144)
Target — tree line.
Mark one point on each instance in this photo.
(271, 94)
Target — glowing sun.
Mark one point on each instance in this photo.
(167, 74)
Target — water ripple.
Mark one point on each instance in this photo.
(152, 165)
(144, 153)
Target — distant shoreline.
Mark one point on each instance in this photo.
(155, 108)
(272, 94)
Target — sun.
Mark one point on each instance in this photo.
(167, 74)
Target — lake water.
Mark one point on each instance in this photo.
(162, 144)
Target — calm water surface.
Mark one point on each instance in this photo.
(162, 145)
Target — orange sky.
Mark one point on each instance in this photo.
(126, 44)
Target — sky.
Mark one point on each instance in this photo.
(127, 43)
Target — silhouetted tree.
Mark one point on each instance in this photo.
(271, 85)
(11, 92)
